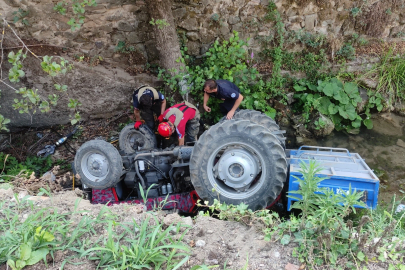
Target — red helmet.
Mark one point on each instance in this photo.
(164, 129)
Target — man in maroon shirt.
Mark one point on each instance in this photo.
(184, 118)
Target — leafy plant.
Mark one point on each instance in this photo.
(226, 60)
(390, 74)
(122, 47)
(159, 23)
(332, 98)
(78, 9)
(20, 15)
(32, 250)
(147, 246)
(310, 39)
(347, 52)
(10, 167)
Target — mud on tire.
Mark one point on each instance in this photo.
(99, 164)
(131, 140)
(242, 161)
(263, 120)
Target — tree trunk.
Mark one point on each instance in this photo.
(166, 37)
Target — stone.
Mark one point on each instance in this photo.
(193, 36)
(189, 24)
(187, 221)
(295, 19)
(309, 9)
(265, 2)
(126, 27)
(401, 143)
(310, 21)
(364, 99)
(38, 198)
(6, 193)
(276, 254)
(200, 243)
(225, 31)
(294, 26)
(233, 20)
(370, 83)
(193, 48)
(172, 219)
(290, 266)
(210, 231)
(179, 13)
(134, 37)
(237, 27)
(321, 130)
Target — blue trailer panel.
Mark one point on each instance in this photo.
(342, 168)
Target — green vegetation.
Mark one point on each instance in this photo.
(159, 23)
(10, 167)
(390, 75)
(329, 231)
(332, 98)
(127, 245)
(78, 9)
(122, 47)
(228, 60)
(20, 14)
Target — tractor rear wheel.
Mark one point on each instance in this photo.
(263, 120)
(238, 161)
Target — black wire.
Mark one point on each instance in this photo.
(154, 166)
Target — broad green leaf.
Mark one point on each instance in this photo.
(323, 105)
(328, 89)
(351, 89)
(368, 123)
(361, 256)
(285, 240)
(25, 252)
(342, 97)
(333, 109)
(11, 263)
(348, 112)
(20, 264)
(357, 122)
(37, 255)
(299, 88)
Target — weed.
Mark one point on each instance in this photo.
(390, 73)
(347, 52)
(122, 47)
(20, 15)
(332, 98)
(10, 167)
(159, 23)
(224, 60)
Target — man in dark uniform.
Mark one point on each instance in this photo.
(147, 101)
(225, 90)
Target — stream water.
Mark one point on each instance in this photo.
(383, 149)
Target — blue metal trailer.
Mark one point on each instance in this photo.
(341, 168)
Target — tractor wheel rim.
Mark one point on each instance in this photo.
(240, 165)
(95, 166)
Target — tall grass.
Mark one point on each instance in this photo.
(390, 76)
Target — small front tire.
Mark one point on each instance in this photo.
(99, 164)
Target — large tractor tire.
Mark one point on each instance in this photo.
(238, 161)
(99, 164)
(263, 120)
(131, 139)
